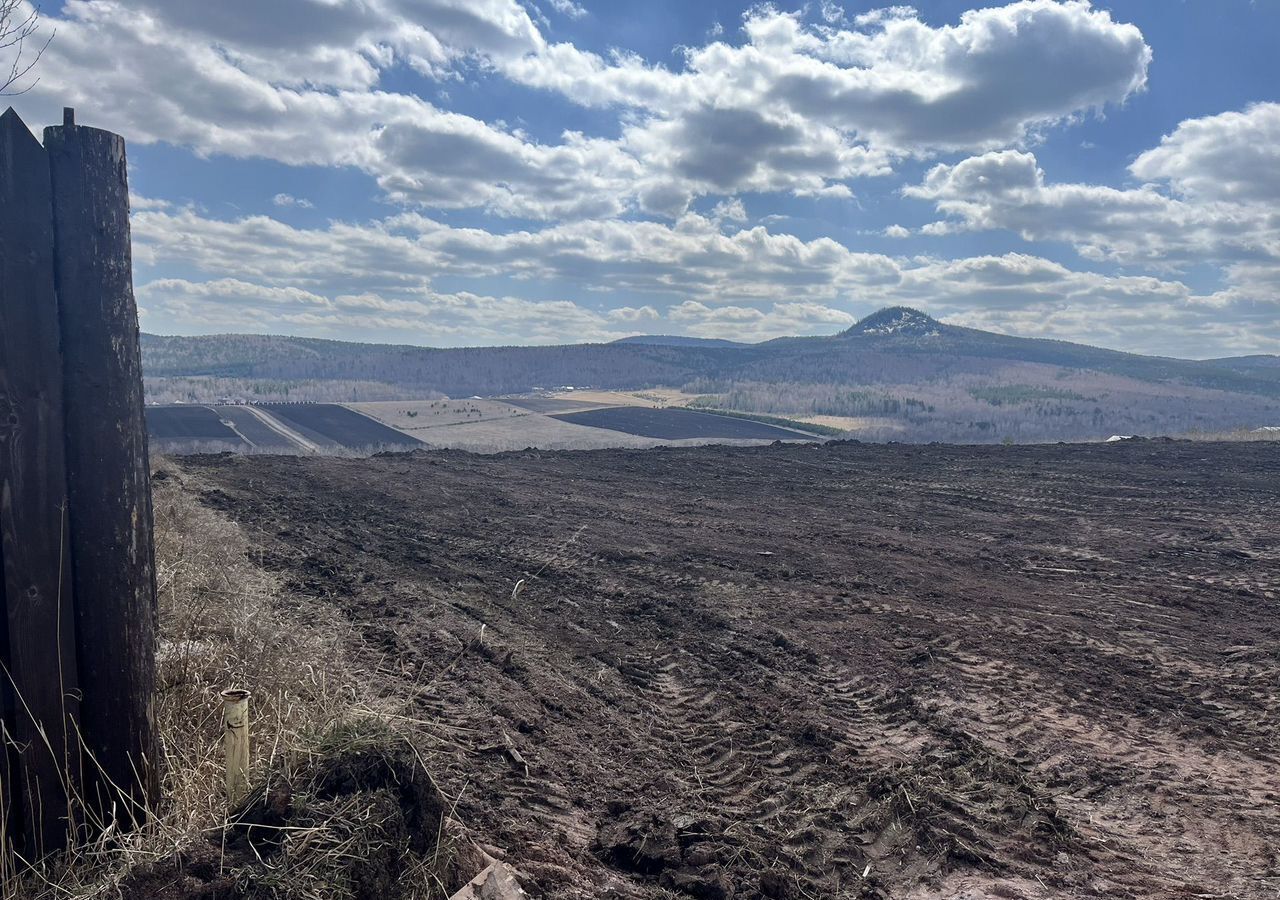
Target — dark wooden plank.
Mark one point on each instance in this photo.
(41, 655)
(109, 480)
(10, 800)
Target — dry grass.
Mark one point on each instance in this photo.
(226, 622)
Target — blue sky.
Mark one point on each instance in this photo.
(460, 172)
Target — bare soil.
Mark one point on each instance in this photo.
(820, 671)
(679, 424)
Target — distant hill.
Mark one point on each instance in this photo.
(1248, 362)
(678, 340)
(897, 365)
(881, 344)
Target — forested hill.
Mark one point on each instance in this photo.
(678, 340)
(894, 346)
(453, 372)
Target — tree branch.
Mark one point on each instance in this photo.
(19, 24)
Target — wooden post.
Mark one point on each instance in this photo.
(235, 741)
(40, 683)
(108, 480)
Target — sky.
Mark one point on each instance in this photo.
(474, 172)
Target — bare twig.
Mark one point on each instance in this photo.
(19, 24)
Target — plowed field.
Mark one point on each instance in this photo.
(674, 424)
(167, 424)
(821, 671)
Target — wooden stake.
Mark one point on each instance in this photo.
(235, 739)
(111, 551)
(39, 684)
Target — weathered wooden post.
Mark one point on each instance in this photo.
(108, 474)
(39, 683)
(235, 743)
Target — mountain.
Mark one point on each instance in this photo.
(897, 320)
(897, 368)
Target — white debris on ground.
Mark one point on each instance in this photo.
(494, 883)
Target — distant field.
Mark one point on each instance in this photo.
(254, 430)
(417, 416)
(166, 424)
(493, 426)
(678, 424)
(851, 423)
(273, 428)
(524, 431)
(479, 426)
(609, 398)
(642, 397)
(552, 405)
(332, 426)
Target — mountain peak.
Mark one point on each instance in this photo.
(898, 320)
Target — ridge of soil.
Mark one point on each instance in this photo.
(820, 671)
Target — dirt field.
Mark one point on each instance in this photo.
(821, 671)
(679, 424)
(331, 425)
(200, 423)
(413, 416)
(852, 423)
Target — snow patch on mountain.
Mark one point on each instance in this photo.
(898, 320)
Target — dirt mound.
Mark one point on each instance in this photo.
(840, 671)
(680, 853)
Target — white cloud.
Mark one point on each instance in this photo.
(797, 108)
(802, 103)
(634, 315)
(801, 109)
(1007, 189)
(290, 200)
(422, 316)
(1209, 200)
(875, 17)
(832, 13)
(1233, 157)
(730, 210)
(569, 8)
(336, 43)
(892, 81)
(187, 83)
(747, 285)
(1223, 173)
(691, 256)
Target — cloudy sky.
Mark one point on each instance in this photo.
(456, 172)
